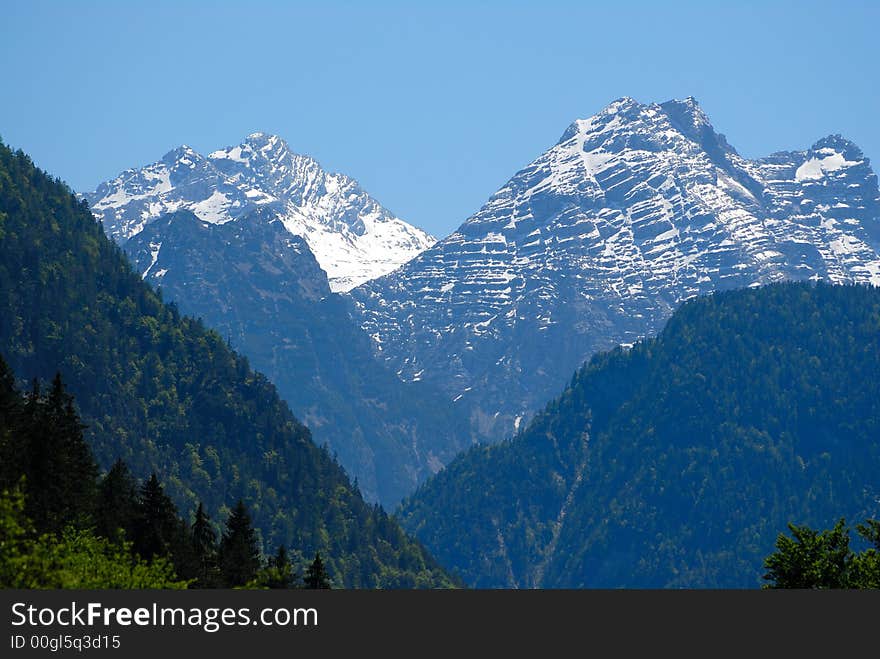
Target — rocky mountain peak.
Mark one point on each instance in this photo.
(600, 238)
(353, 237)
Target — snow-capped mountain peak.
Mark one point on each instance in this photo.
(689, 111)
(181, 153)
(353, 237)
(597, 240)
(826, 156)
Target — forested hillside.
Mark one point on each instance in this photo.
(678, 461)
(62, 526)
(164, 393)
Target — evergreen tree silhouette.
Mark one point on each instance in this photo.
(157, 527)
(279, 571)
(239, 551)
(11, 468)
(316, 577)
(117, 503)
(56, 461)
(204, 550)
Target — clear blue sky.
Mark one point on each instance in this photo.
(431, 106)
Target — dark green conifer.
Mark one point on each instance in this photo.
(117, 504)
(279, 572)
(157, 526)
(239, 551)
(10, 412)
(78, 471)
(316, 577)
(10, 399)
(55, 460)
(204, 550)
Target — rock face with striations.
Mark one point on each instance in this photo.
(599, 239)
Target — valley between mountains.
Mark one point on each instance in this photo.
(640, 359)
(594, 244)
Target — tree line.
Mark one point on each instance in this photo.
(64, 525)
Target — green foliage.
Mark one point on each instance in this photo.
(81, 560)
(76, 559)
(15, 529)
(166, 395)
(675, 463)
(277, 574)
(811, 559)
(140, 541)
(46, 534)
(870, 531)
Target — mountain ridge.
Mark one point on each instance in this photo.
(676, 462)
(600, 238)
(351, 234)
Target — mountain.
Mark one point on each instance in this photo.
(600, 238)
(678, 461)
(353, 237)
(165, 394)
(263, 290)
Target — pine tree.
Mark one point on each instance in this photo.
(34, 440)
(78, 471)
(239, 551)
(204, 550)
(279, 572)
(157, 526)
(117, 503)
(10, 400)
(316, 577)
(10, 413)
(56, 461)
